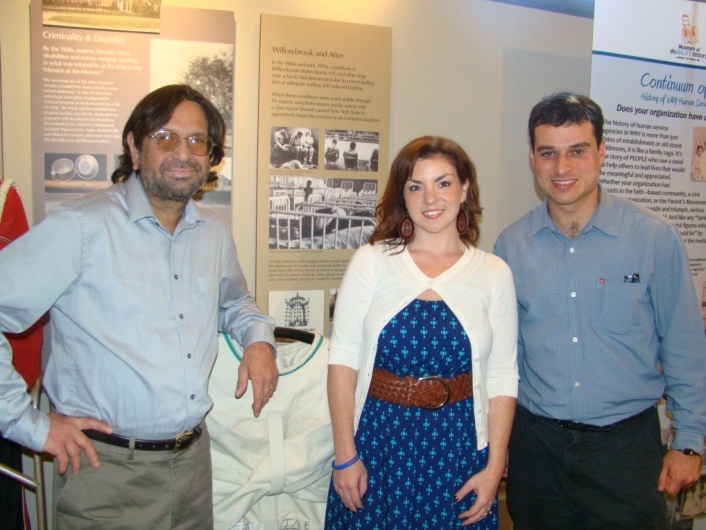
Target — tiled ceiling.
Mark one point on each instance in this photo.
(579, 8)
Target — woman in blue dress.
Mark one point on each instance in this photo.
(423, 372)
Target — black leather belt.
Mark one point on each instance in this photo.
(176, 444)
(585, 427)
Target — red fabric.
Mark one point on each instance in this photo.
(27, 346)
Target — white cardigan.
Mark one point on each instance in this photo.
(479, 290)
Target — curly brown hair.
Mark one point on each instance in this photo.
(391, 208)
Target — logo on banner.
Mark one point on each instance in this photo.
(689, 33)
(688, 51)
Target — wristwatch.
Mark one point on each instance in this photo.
(690, 452)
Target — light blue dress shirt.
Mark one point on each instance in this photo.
(135, 314)
(592, 334)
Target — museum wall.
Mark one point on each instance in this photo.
(467, 69)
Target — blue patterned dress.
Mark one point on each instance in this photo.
(416, 458)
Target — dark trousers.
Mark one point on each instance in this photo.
(561, 478)
(11, 505)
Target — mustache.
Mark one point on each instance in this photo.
(180, 164)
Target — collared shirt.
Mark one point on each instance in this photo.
(135, 314)
(599, 314)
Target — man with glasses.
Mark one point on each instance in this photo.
(139, 280)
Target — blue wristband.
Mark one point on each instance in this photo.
(345, 464)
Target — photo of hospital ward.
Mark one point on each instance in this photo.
(321, 213)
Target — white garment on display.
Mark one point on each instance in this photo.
(271, 472)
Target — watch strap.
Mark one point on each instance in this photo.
(690, 452)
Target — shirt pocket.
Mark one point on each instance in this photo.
(619, 306)
(206, 297)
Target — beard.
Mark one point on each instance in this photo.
(160, 187)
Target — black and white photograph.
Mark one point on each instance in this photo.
(321, 213)
(74, 172)
(142, 16)
(352, 150)
(294, 148)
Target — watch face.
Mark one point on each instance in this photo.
(690, 452)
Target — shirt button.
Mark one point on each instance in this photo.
(176, 276)
(188, 356)
(193, 396)
(572, 250)
(574, 339)
(573, 294)
(577, 384)
(181, 316)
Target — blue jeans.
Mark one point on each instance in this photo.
(561, 478)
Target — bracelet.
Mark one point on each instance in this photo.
(345, 464)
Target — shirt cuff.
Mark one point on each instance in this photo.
(31, 430)
(259, 332)
(688, 441)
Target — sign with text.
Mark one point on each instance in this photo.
(650, 81)
(87, 78)
(322, 159)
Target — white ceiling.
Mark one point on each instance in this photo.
(579, 8)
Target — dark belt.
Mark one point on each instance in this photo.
(585, 427)
(176, 444)
(430, 392)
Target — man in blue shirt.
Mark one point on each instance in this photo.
(139, 280)
(609, 322)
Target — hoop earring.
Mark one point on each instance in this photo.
(405, 228)
(462, 222)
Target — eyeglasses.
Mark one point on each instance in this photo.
(170, 141)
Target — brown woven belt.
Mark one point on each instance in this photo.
(430, 392)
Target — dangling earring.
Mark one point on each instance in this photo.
(462, 222)
(406, 228)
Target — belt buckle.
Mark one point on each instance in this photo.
(180, 438)
(447, 391)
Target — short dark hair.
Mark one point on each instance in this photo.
(566, 108)
(392, 208)
(156, 109)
